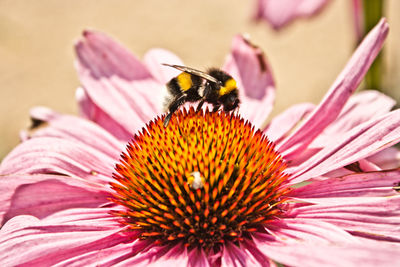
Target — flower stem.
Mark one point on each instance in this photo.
(373, 11)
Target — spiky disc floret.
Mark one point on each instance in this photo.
(205, 179)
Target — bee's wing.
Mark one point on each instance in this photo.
(194, 72)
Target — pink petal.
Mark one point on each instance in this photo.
(368, 205)
(247, 64)
(52, 241)
(110, 256)
(84, 131)
(18, 223)
(160, 256)
(105, 57)
(115, 98)
(362, 165)
(82, 216)
(292, 230)
(377, 218)
(42, 195)
(239, 256)
(91, 111)
(388, 158)
(115, 81)
(56, 155)
(232, 256)
(334, 254)
(367, 166)
(358, 18)
(198, 257)
(151, 93)
(360, 108)
(310, 7)
(359, 143)
(280, 13)
(333, 102)
(154, 59)
(260, 258)
(281, 125)
(372, 184)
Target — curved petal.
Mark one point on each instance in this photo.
(360, 166)
(311, 7)
(293, 230)
(91, 111)
(333, 254)
(41, 195)
(118, 99)
(57, 239)
(281, 125)
(197, 258)
(260, 258)
(76, 217)
(154, 59)
(248, 65)
(371, 184)
(388, 158)
(239, 256)
(358, 18)
(48, 123)
(359, 143)
(108, 256)
(55, 155)
(344, 86)
(104, 57)
(360, 108)
(159, 256)
(377, 218)
(281, 13)
(115, 81)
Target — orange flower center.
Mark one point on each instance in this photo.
(206, 179)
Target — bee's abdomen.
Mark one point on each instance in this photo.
(183, 83)
(174, 87)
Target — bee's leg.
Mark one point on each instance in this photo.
(232, 115)
(200, 105)
(216, 107)
(176, 103)
(166, 121)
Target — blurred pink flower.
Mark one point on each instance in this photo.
(57, 185)
(280, 13)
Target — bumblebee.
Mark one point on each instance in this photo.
(215, 87)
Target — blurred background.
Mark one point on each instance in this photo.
(37, 38)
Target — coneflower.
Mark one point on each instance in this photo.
(211, 189)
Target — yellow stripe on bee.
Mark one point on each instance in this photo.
(184, 81)
(230, 85)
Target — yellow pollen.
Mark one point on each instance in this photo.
(228, 87)
(206, 179)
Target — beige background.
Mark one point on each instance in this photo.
(37, 37)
